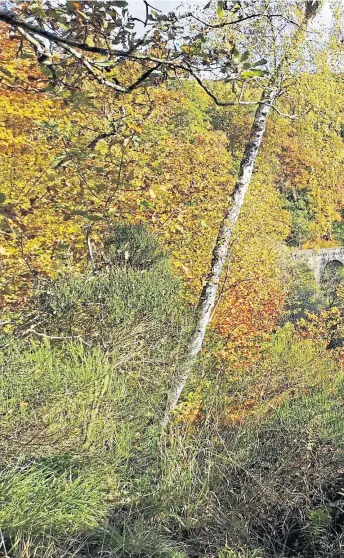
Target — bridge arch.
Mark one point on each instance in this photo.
(319, 260)
(331, 276)
(333, 264)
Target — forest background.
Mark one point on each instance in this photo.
(110, 207)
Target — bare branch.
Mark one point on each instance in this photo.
(290, 116)
(56, 337)
(215, 99)
(88, 229)
(239, 20)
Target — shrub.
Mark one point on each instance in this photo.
(132, 246)
(97, 306)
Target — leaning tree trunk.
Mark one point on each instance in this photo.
(207, 299)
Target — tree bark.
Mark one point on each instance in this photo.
(220, 252)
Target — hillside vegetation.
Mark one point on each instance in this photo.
(171, 379)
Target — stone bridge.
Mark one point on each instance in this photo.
(317, 260)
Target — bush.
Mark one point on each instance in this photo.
(86, 377)
(96, 307)
(303, 295)
(132, 246)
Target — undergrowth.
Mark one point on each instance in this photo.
(84, 468)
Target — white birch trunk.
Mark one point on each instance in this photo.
(208, 296)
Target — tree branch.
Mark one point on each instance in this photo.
(176, 61)
(56, 337)
(215, 99)
(42, 54)
(290, 116)
(239, 20)
(11, 19)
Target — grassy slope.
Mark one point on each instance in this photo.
(84, 470)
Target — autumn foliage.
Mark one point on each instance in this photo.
(72, 162)
(110, 206)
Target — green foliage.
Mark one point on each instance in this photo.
(135, 288)
(301, 227)
(228, 553)
(338, 230)
(319, 521)
(94, 304)
(262, 475)
(331, 280)
(302, 293)
(74, 398)
(82, 389)
(142, 538)
(87, 473)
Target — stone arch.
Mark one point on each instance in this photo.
(331, 277)
(330, 266)
(317, 260)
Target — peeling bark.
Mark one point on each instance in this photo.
(220, 252)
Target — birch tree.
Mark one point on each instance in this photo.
(283, 48)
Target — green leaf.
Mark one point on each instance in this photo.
(252, 73)
(245, 56)
(260, 62)
(38, 10)
(4, 225)
(5, 71)
(220, 10)
(121, 3)
(2, 197)
(44, 70)
(106, 63)
(200, 37)
(236, 57)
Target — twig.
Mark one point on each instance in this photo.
(88, 229)
(291, 116)
(56, 337)
(239, 20)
